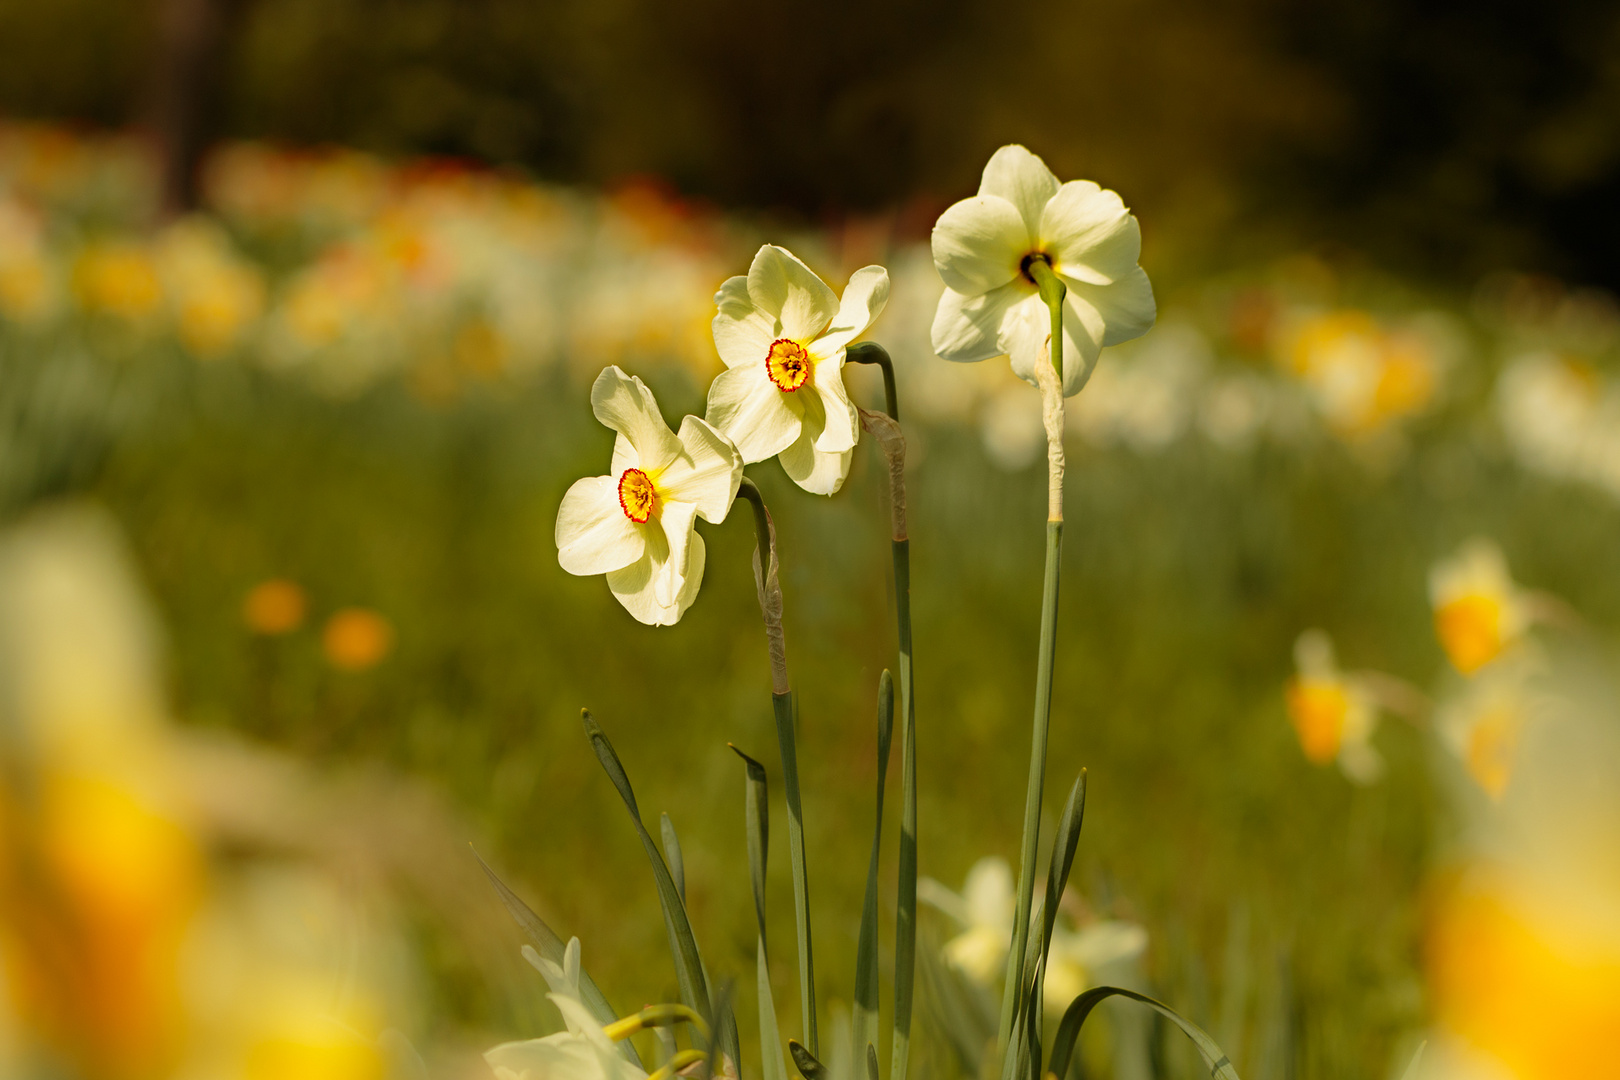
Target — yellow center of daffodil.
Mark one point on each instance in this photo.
(1470, 630)
(638, 496)
(1318, 708)
(1490, 749)
(788, 364)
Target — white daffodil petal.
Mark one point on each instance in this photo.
(624, 456)
(560, 1055)
(1090, 234)
(742, 332)
(837, 424)
(593, 534)
(967, 328)
(1126, 307)
(781, 285)
(623, 403)
(818, 473)
(864, 299)
(1025, 326)
(707, 473)
(678, 520)
(978, 244)
(647, 588)
(748, 408)
(1022, 179)
(696, 559)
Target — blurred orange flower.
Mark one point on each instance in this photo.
(356, 639)
(276, 606)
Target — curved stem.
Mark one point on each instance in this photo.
(870, 352)
(1051, 381)
(785, 711)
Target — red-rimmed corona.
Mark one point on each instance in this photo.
(638, 496)
(788, 364)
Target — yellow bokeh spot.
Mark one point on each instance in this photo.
(312, 1057)
(638, 496)
(276, 606)
(1470, 630)
(24, 287)
(788, 364)
(1318, 708)
(356, 639)
(1545, 1009)
(117, 279)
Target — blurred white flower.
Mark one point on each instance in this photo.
(1484, 725)
(782, 333)
(1478, 610)
(637, 525)
(1334, 714)
(582, 1052)
(1104, 952)
(984, 247)
(984, 909)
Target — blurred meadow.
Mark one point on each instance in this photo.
(299, 304)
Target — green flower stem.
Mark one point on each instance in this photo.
(1052, 291)
(905, 937)
(786, 713)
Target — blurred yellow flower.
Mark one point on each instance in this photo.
(118, 278)
(1478, 610)
(1536, 992)
(356, 638)
(274, 607)
(1361, 374)
(984, 911)
(1333, 713)
(215, 295)
(100, 872)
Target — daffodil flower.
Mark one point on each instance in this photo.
(1478, 610)
(781, 332)
(637, 525)
(984, 248)
(1334, 714)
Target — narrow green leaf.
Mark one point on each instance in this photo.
(1057, 876)
(683, 946)
(550, 946)
(672, 851)
(871, 1063)
(725, 1034)
(866, 953)
(756, 812)
(806, 1062)
(1220, 1066)
(786, 713)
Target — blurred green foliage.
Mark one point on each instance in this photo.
(1449, 139)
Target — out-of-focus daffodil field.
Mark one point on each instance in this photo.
(282, 630)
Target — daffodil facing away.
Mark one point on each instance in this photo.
(984, 248)
(1333, 713)
(782, 332)
(1484, 725)
(638, 524)
(583, 1052)
(1478, 610)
